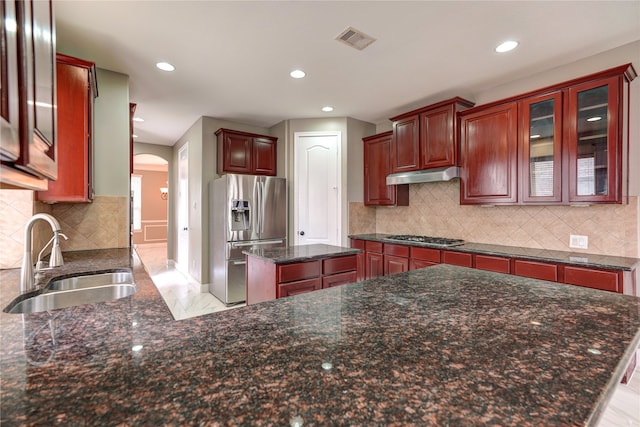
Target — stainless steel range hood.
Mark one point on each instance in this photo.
(427, 175)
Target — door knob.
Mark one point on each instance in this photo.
(302, 233)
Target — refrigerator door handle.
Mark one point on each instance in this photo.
(262, 242)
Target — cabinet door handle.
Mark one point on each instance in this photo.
(302, 233)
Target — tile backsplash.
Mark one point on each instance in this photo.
(435, 210)
(99, 225)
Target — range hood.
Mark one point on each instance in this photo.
(427, 175)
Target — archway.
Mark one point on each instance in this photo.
(149, 204)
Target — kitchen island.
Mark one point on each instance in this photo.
(282, 271)
(436, 346)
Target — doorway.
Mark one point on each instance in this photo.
(317, 210)
(182, 254)
(150, 189)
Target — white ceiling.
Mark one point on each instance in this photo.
(233, 59)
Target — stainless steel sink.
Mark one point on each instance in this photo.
(62, 299)
(77, 290)
(91, 281)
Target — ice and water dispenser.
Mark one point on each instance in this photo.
(240, 215)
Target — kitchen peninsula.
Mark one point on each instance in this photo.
(435, 346)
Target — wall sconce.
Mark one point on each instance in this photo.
(164, 193)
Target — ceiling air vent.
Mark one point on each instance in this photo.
(355, 38)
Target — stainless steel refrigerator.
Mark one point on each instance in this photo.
(245, 211)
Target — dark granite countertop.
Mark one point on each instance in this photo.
(288, 254)
(563, 257)
(444, 345)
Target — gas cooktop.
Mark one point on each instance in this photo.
(439, 241)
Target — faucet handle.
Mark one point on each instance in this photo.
(56, 253)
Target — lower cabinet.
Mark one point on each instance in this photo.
(605, 280)
(536, 270)
(463, 259)
(396, 259)
(378, 259)
(359, 244)
(374, 261)
(492, 263)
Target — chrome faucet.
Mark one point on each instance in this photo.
(27, 272)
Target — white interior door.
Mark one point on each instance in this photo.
(182, 256)
(317, 213)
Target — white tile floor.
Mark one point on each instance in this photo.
(182, 295)
(185, 300)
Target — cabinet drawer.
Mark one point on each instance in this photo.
(397, 250)
(536, 270)
(298, 271)
(597, 279)
(373, 246)
(339, 279)
(457, 258)
(340, 264)
(415, 264)
(299, 287)
(492, 263)
(425, 254)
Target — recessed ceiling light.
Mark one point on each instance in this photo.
(297, 74)
(594, 119)
(506, 46)
(165, 66)
(134, 135)
(327, 109)
(138, 119)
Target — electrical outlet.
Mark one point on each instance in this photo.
(578, 242)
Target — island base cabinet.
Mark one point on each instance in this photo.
(339, 279)
(267, 280)
(299, 287)
(260, 278)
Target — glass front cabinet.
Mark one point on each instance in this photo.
(595, 141)
(541, 149)
(573, 141)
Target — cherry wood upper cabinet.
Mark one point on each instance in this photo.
(27, 55)
(595, 141)
(405, 147)
(489, 144)
(9, 94)
(541, 148)
(428, 137)
(573, 144)
(246, 153)
(377, 165)
(264, 156)
(76, 90)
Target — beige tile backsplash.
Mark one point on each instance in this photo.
(98, 225)
(435, 210)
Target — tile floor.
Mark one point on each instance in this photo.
(185, 300)
(182, 295)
